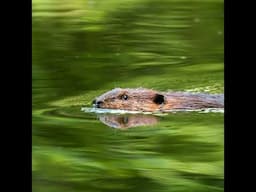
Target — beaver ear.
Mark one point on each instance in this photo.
(158, 99)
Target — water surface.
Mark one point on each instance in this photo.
(82, 49)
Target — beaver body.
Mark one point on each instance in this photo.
(148, 100)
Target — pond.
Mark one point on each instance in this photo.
(83, 48)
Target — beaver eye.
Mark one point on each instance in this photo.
(124, 97)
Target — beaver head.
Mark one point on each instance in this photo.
(130, 99)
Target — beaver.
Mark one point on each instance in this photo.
(148, 100)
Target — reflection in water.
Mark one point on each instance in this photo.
(127, 121)
(123, 119)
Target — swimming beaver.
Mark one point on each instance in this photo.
(148, 100)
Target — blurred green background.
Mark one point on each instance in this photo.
(81, 49)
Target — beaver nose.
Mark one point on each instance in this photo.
(96, 103)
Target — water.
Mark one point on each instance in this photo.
(82, 49)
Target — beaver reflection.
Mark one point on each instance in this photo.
(127, 121)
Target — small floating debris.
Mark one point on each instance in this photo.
(219, 32)
(212, 110)
(197, 20)
(206, 110)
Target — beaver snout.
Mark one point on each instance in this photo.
(96, 103)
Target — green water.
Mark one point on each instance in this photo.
(83, 48)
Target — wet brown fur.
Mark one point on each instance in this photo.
(150, 100)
